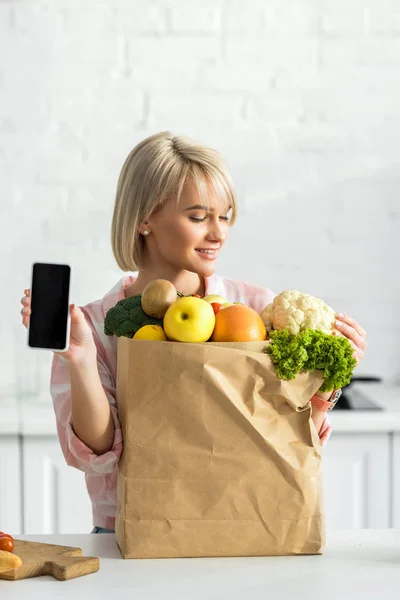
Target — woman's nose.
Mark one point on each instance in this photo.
(217, 233)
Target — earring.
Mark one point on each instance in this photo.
(145, 232)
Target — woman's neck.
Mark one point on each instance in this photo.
(185, 282)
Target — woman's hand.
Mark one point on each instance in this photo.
(81, 343)
(356, 335)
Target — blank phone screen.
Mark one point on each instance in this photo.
(49, 306)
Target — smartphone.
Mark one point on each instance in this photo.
(49, 322)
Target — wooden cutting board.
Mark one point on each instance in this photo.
(62, 562)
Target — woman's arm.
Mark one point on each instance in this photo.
(84, 399)
(79, 394)
(92, 419)
(350, 329)
(317, 415)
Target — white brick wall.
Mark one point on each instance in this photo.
(302, 97)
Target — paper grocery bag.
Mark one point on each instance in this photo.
(221, 457)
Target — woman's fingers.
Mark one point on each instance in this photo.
(356, 335)
(351, 333)
(26, 307)
(353, 323)
(26, 313)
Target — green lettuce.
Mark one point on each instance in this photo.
(310, 350)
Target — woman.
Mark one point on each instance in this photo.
(175, 204)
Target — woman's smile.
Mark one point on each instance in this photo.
(208, 253)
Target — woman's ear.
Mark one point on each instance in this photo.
(144, 228)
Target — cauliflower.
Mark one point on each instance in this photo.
(295, 311)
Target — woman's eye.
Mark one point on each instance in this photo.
(200, 220)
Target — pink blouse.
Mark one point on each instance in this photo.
(101, 471)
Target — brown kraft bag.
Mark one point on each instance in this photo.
(221, 457)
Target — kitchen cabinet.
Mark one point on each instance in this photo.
(55, 495)
(40, 493)
(357, 480)
(356, 472)
(10, 484)
(396, 479)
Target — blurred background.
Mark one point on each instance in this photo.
(301, 98)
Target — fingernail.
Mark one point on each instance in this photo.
(338, 324)
(340, 315)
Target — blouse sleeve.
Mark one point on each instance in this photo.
(77, 454)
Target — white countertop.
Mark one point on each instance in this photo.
(387, 396)
(363, 564)
(36, 416)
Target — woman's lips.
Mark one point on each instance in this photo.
(208, 255)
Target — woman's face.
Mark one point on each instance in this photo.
(186, 235)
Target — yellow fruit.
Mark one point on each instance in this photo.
(189, 319)
(238, 323)
(151, 332)
(9, 560)
(216, 298)
(157, 296)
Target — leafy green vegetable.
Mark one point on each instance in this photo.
(309, 350)
(126, 317)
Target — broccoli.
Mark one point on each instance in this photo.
(126, 317)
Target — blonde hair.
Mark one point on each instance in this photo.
(156, 169)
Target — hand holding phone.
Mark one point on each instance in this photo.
(52, 324)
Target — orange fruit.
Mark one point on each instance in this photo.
(238, 323)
